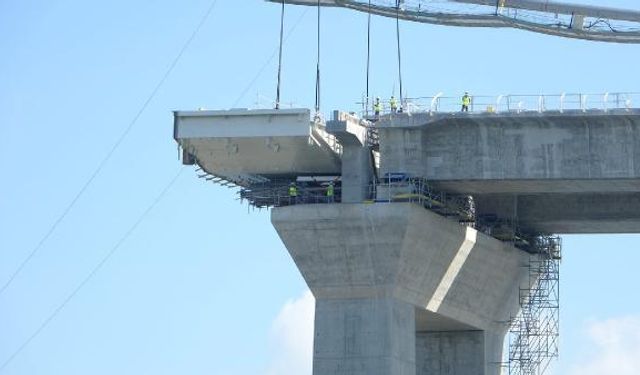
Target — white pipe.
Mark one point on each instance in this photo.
(540, 104)
(498, 102)
(434, 101)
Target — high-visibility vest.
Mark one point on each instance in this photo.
(393, 103)
(377, 107)
(466, 100)
(293, 191)
(330, 190)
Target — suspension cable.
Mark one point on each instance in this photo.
(368, 55)
(318, 66)
(280, 56)
(103, 162)
(94, 271)
(399, 51)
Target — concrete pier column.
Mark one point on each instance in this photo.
(459, 352)
(366, 336)
(357, 163)
(357, 173)
(401, 290)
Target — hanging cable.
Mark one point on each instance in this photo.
(318, 67)
(111, 151)
(368, 55)
(399, 54)
(280, 56)
(268, 61)
(93, 271)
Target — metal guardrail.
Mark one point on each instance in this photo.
(397, 188)
(542, 103)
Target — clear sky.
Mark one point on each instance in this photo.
(203, 285)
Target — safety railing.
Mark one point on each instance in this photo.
(394, 188)
(278, 193)
(565, 102)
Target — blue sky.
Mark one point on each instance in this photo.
(203, 285)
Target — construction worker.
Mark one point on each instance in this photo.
(330, 192)
(293, 193)
(377, 108)
(393, 104)
(466, 102)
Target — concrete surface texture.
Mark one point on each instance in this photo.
(572, 172)
(392, 279)
(357, 170)
(264, 143)
(520, 147)
(555, 173)
(400, 289)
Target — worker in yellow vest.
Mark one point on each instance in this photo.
(466, 102)
(293, 193)
(330, 192)
(393, 104)
(377, 108)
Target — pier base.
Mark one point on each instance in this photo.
(402, 291)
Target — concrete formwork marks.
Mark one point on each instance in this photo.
(453, 270)
(535, 147)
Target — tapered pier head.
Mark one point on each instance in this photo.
(401, 290)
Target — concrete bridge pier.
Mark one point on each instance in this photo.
(364, 336)
(400, 290)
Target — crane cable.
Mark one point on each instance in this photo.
(268, 61)
(368, 55)
(280, 55)
(399, 50)
(318, 67)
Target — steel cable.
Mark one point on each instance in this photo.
(109, 154)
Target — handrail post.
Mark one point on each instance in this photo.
(562, 102)
(498, 100)
(540, 104)
(436, 99)
(627, 102)
(583, 102)
(605, 98)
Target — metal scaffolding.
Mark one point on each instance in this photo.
(534, 332)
